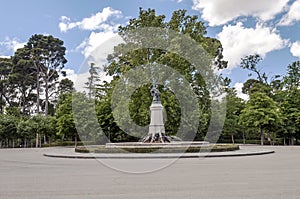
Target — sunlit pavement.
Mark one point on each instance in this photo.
(26, 173)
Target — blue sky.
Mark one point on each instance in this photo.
(269, 28)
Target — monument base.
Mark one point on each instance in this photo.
(156, 128)
(156, 138)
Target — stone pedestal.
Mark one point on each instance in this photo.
(157, 121)
(156, 127)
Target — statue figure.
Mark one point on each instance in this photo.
(155, 93)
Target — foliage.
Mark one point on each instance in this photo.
(35, 107)
(234, 107)
(46, 54)
(64, 114)
(261, 112)
(8, 128)
(121, 62)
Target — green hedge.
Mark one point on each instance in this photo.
(68, 143)
(191, 149)
(278, 141)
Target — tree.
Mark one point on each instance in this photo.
(234, 107)
(48, 57)
(291, 102)
(65, 86)
(22, 78)
(8, 130)
(93, 80)
(25, 131)
(291, 112)
(85, 119)
(252, 86)
(43, 127)
(65, 122)
(148, 58)
(261, 112)
(292, 79)
(250, 63)
(5, 87)
(260, 84)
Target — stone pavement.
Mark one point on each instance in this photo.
(27, 174)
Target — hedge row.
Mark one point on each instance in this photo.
(191, 149)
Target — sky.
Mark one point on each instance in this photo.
(268, 28)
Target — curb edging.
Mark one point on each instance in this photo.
(156, 156)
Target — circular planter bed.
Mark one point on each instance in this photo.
(158, 149)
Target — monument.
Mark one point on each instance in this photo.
(156, 132)
(156, 141)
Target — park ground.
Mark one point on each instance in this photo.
(26, 173)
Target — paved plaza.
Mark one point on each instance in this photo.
(26, 173)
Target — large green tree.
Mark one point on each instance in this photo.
(263, 113)
(22, 79)
(6, 88)
(121, 62)
(290, 102)
(47, 55)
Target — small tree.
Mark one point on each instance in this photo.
(93, 80)
(233, 110)
(261, 112)
(65, 122)
(8, 130)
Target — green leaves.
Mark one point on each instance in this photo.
(234, 107)
(261, 112)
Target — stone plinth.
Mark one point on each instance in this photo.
(157, 121)
(156, 127)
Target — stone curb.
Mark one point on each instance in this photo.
(158, 156)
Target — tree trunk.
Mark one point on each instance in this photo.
(291, 140)
(270, 139)
(232, 138)
(24, 102)
(47, 98)
(38, 90)
(37, 140)
(262, 137)
(75, 140)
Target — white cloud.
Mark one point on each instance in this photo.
(96, 49)
(4, 56)
(94, 41)
(239, 41)
(238, 87)
(99, 21)
(295, 49)
(218, 12)
(80, 79)
(12, 44)
(292, 16)
(70, 74)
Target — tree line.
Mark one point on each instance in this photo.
(36, 108)
(272, 112)
(30, 91)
